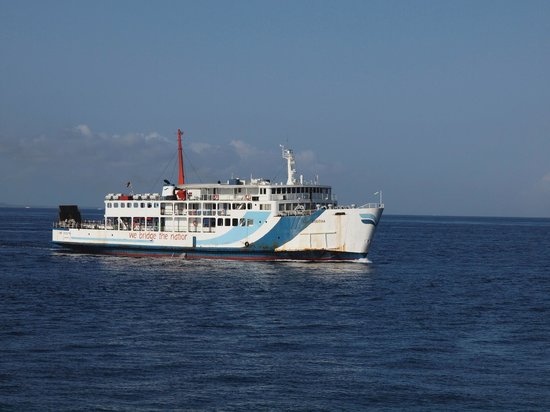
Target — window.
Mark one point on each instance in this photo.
(209, 208)
(194, 208)
(249, 222)
(227, 221)
(180, 224)
(122, 204)
(152, 224)
(180, 208)
(193, 224)
(139, 223)
(220, 221)
(124, 223)
(166, 209)
(209, 222)
(235, 222)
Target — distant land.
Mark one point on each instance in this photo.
(7, 205)
(15, 206)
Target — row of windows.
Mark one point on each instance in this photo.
(167, 208)
(205, 206)
(206, 224)
(210, 222)
(232, 222)
(181, 206)
(299, 189)
(136, 205)
(176, 225)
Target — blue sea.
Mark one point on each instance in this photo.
(450, 314)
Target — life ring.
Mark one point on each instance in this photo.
(215, 197)
(195, 223)
(247, 197)
(246, 244)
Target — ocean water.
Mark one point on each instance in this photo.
(451, 314)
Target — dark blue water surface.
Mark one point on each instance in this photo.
(452, 313)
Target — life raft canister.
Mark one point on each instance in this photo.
(181, 194)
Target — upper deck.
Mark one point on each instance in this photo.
(236, 195)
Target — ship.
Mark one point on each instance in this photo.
(254, 219)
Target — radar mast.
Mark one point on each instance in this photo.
(288, 154)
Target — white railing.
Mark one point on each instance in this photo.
(372, 205)
(305, 212)
(85, 224)
(314, 197)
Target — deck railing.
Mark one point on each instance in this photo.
(85, 224)
(372, 205)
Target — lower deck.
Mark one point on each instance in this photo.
(323, 234)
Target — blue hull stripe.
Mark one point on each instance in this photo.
(368, 219)
(285, 230)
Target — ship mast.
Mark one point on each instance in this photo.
(181, 177)
(288, 154)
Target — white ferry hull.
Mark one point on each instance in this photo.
(326, 234)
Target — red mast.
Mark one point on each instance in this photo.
(181, 177)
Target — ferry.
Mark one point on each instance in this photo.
(252, 219)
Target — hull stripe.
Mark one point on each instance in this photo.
(189, 253)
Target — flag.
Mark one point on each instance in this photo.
(129, 184)
(377, 193)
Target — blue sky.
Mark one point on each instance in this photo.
(444, 105)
